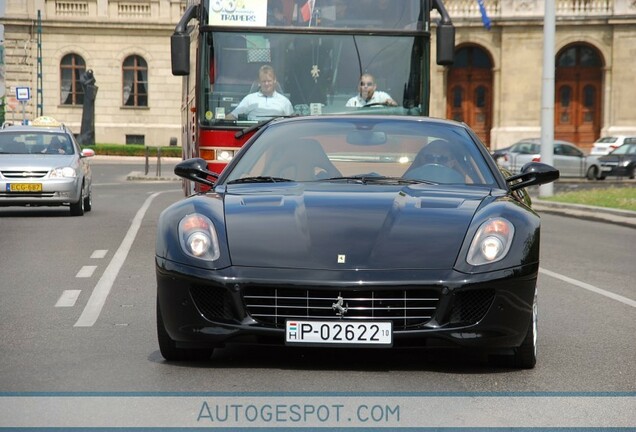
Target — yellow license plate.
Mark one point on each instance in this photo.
(25, 187)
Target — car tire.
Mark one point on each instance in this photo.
(77, 208)
(592, 173)
(88, 201)
(632, 173)
(168, 347)
(525, 355)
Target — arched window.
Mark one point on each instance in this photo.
(135, 82)
(72, 67)
(578, 55)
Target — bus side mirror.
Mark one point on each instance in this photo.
(180, 53)
(445, 43)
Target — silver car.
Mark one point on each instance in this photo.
(43, 165)
(568, 158)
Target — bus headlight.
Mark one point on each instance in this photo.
(225, 155)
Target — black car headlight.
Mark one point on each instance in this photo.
(491, 242)
(198, 238)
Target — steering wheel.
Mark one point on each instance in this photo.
(436, 173)
(375, 104)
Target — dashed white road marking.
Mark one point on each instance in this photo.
(68, 298)
(98, 297)
(86, 272)
(99, 253)
(613, 296)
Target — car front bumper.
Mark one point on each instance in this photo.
(201, 309)
(54, 192)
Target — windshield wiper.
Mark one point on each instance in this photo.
(257, 126)
(259, 179)
(364, 179)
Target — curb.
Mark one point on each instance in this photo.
(599, 214)
(140, 176)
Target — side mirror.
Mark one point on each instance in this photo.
(180, 42)
(445, 35)
(88, 152)
(533, 173)
(196, 170)
(180, 54)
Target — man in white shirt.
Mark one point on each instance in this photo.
(265, 103)
(369, 95)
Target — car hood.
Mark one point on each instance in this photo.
(34, 162)
(326, 227)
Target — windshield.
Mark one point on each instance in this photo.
(341, 63)
(625, 149)
(35, 143)
(363, 150)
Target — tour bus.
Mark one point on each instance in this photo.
(318, 49)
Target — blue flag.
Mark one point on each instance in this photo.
(484, 15)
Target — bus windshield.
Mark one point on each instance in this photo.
(319, 51)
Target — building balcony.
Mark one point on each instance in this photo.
(102, 11)
(467, 11)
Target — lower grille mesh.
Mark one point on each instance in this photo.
(470, 306)
(405, 308)
(213, 302)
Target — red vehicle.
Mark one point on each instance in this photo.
(318, 49)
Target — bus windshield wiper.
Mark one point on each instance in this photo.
(259, 179)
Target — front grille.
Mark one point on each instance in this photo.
(22, 175)
(214, 303)
(405, 308)
(469, 306)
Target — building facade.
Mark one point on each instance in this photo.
(495, 84)
(126, 44)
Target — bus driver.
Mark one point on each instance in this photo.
(369, 95)
(266, 102)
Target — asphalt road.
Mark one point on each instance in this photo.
(78, 318)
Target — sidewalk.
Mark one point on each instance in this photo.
(600, 214)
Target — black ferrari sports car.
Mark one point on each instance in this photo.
(352, 231)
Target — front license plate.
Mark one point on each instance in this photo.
(24, 187)
(339, 333)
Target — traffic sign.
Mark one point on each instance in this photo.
(23, 93)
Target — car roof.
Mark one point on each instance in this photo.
(328, 117)
(538, 141)
(40, 124)
(33, 129)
